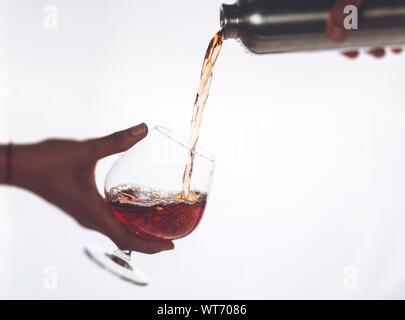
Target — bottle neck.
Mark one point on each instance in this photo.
(229, 20)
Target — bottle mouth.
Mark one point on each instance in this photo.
(229, 20)
(222, 17)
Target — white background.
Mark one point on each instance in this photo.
(310, 177)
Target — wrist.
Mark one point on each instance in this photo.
(6, 159)
(15, 165)
(3, 164)
(22, 163)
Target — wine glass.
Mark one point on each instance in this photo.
(144, 191)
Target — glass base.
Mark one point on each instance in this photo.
(118, 263)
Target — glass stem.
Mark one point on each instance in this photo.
(123, 254)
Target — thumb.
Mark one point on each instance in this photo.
(335, 30)
(119, 141)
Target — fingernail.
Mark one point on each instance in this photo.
(139, 130)
(351, 54)
(377, 52)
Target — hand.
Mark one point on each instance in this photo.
(336, 32)
(62, 172)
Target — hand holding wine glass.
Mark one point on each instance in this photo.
(62, 172)
(150, 203)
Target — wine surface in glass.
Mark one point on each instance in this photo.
(155, 215)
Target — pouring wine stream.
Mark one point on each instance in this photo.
(203, 91)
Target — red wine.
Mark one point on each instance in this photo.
(151, 214)
(203, 91)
